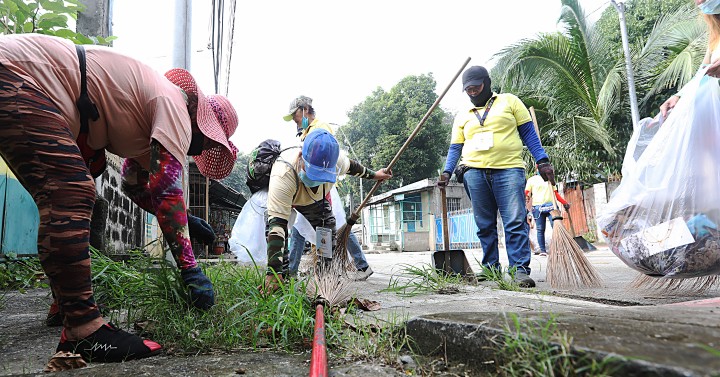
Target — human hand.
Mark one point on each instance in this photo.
(272, 283)
(566, 206)
(444, 179)
(383, 174)
(200, 230)
(714, 69)
(201, 289)
(547, 172)
(668, 105)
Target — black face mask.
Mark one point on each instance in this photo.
(481, 99)
(197, 143)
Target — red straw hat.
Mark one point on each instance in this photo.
(217, 120)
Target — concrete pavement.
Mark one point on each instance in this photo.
(660, 333)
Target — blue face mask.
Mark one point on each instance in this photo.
(307, 181)
(710, 7)
(305, 122)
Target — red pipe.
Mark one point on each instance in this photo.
(318, 360)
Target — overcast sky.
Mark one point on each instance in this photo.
(336, 52)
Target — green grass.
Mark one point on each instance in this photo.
(540, 349)
(414, 280)
(502, 280)
(150, 293)
(21, 273)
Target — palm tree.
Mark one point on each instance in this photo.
(575, 87)
(578, 87)
(670, 56)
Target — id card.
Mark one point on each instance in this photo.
(661, 237)
(323, 242)
(481, 141)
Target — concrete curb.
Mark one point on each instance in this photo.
(471, 342)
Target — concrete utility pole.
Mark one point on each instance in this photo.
(95, 20)
(183, 28)
(620, 7)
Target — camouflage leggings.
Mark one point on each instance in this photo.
(40, 149)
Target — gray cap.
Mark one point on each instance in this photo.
(297, 103)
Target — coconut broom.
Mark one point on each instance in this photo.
(567, 266)
(344, 231)
(328, 287)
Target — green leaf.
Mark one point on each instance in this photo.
(28, 27)
(84, 40)
(65, 33)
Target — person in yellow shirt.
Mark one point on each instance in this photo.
(488, 139)
(538, 193)
(303, 114)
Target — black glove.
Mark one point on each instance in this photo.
(444, 179)
(200, 230)
(200, 288)
(566, 206)
(546, 171)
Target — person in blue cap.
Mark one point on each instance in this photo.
(302, 181)
(303, 114)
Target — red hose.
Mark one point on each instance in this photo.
(318, 360)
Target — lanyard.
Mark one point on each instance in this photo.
(487, 110)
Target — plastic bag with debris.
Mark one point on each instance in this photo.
(663, 218)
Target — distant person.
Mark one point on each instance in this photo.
(303, 114)
(488, 140)
(151, 120)
(302, 181)
(541, 197)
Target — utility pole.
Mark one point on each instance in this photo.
(183, 28)
(620, 7)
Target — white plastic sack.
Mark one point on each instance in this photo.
(307, 231)
(247, 240)
(663, 218)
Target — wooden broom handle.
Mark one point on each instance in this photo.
(377, 184)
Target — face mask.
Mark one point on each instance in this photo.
(305, 121)
(307, 181)
(481, 99)
(710, 7)
(197, 143)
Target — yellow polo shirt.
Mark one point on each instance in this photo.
(539, 189)
(497, 144)
(316, 125)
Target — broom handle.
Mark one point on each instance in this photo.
(410, 138)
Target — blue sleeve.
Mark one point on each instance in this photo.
(532, 141)
(453, 156)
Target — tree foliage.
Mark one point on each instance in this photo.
(380, 125)
(48, 17)
(236, 179)
(576, 79)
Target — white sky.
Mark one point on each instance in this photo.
(336, 52)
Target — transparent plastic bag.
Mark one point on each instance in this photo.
(247, 240)
(307, 231)
(663, 218)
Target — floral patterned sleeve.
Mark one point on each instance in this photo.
(159, 192)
